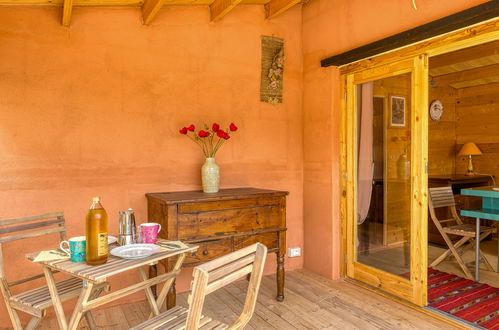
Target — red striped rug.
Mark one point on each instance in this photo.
(474, 302)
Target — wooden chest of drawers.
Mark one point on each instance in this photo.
(222, 222)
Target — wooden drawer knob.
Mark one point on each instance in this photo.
(205, 252)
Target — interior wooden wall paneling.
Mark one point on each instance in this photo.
(477, 120)
(442, 133)
(466, 82)
(396, 141)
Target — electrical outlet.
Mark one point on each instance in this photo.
(294, 252)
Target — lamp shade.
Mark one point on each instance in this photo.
(469, 149)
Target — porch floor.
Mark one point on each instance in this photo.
(311, 302)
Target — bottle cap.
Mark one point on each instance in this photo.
(96, 199)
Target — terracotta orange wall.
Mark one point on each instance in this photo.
(331, 27)
(95, 110)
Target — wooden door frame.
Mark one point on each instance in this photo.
(463, 38)
(414, 288)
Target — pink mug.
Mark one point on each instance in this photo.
(149, 232)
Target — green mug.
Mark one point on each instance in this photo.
(77, 248)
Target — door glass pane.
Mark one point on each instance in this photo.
(383, 169)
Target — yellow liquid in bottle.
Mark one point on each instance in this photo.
(96, 229)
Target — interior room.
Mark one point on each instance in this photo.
(462, 134)
(249, 164)
(465, 85)
(466, 82)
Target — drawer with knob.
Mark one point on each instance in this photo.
(209, 250)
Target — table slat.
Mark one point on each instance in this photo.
(113, 266)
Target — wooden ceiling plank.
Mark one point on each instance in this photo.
(477, 82)
(443, 63)
(187, 2)
(255, 2)
(100, 3)
(67, 9)
(469, 77)
(220, 8)
(472, 64)
(277, 7)
(150, 9)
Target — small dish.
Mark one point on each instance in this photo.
(135, 251)
(111, 240)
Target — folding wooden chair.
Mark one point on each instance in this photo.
(36, 301)
(212, 276)
(443, 197)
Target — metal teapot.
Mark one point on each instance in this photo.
(127, 234)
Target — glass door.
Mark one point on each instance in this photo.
(385, 134)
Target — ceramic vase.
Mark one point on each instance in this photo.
(210, 176)
(403, 167)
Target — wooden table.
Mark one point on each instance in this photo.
(95, 275)
(489, 210)
(221, 223)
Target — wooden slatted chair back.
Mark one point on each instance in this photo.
(220, 272)
(440, 197)
(28, 227)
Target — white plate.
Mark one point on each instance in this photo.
(135, 251)
(111, 240)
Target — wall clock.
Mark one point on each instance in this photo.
(436, 110)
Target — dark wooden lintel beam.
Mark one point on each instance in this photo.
(474, 15)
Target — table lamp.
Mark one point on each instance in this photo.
(469, 149)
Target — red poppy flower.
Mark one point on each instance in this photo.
(204, 137)
(203, 134)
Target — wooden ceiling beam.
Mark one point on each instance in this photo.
(76, 3)
(150, 9)
(220, 8)
(277, 7)
(67, 9)
(97, 3)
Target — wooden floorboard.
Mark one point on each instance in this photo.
(312, 302)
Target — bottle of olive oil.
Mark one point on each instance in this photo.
(96, 230)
